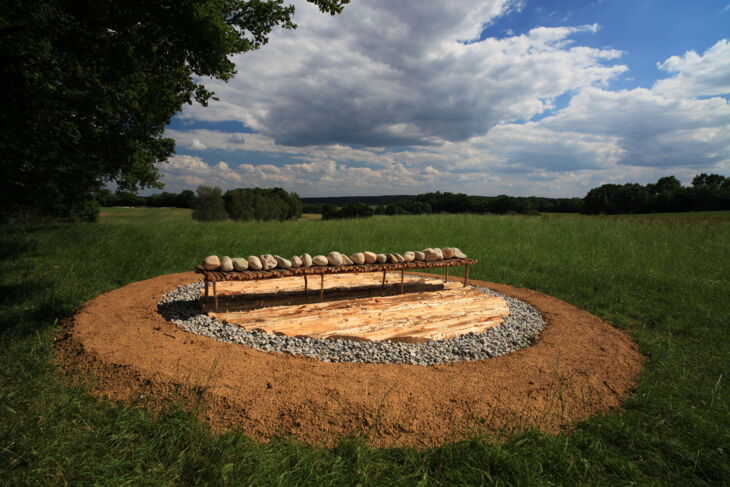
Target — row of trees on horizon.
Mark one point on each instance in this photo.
(707, 192)
(445, 202)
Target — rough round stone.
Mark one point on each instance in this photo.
(381, 258)
(282, 262)
(458, 253)
(240, 264)
(211, 263)
(226, 263)
(254, 263)
(358, 258)
(306, 260)
(335, 258)
(447, 252)
(320, 260)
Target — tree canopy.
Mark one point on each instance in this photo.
(91, 85)
(708, 192)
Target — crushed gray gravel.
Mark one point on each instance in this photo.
(518, 331)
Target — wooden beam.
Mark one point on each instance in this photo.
(215, 295)
(442, 311)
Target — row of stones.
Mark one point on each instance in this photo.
(268, 261)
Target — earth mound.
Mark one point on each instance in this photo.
(579, 367)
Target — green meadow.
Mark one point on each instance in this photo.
(664, 280)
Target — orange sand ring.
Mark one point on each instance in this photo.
(580, 366)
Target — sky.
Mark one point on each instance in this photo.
(518, 97)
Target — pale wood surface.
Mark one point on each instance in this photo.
(355, 306)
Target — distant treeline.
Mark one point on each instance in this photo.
(245, 204)
(708, 192)
(368, 200)
(184, 199)
(439, 202)
(211, 204)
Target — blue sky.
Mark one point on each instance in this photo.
(646, 31)
(543, 98)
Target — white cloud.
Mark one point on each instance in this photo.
(697, 75)
(403, 97)
(398, 73)
(650, 129)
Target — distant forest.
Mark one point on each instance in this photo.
(439, 202)
(707, 192)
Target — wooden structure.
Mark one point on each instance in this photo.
(213, 277)
(359, 307)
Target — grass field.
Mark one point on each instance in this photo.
(667, 283)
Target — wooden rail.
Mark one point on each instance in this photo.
(251, 275)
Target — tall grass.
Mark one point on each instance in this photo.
(665, 282)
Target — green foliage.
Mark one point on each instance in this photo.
(664, 281)
(439, 202)
(708, 192)
(245, 204)
(209, 206)
(89, 87)
(350, 210)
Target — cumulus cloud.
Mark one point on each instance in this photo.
(697, 75)
(306, 178)
(405, 97)
(649, 129)
(400, 73)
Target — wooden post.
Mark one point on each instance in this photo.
(305, 284)
(215, 295)
(466, 275)
(383, 285)
(401, 280)
(446, 275)
(207, 297)
(321, 287)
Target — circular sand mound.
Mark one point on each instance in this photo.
(580, 366)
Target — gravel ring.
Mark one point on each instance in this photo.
(517, 332)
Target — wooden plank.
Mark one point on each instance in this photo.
(443, 312)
